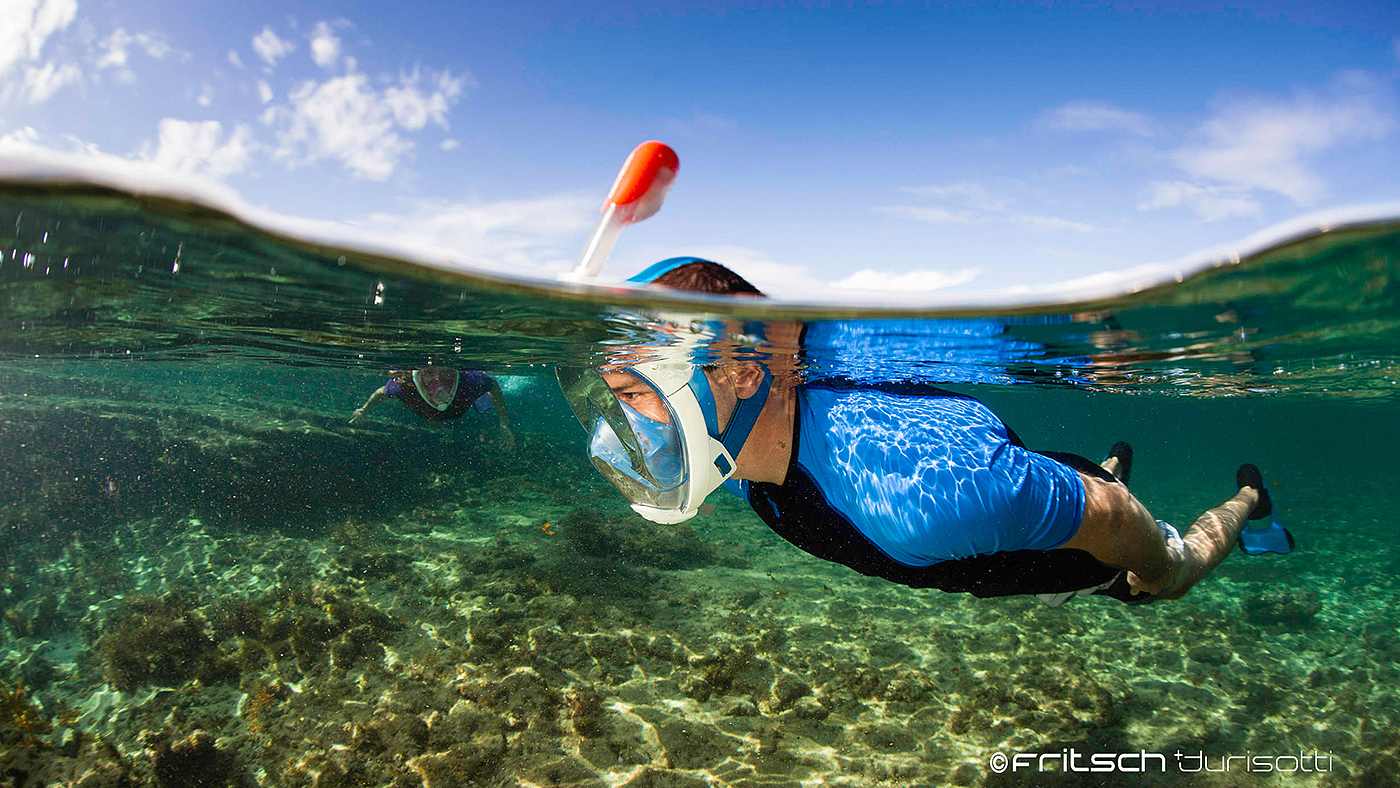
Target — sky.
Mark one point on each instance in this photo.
(828, 151)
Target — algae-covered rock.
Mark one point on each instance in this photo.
(196, 761)
(1291, 608)
(463, 765)
(583, 706)
(93, 763)
(589, 532)
(787, 689)
(160, 641)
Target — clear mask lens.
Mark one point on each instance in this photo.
(642, 457)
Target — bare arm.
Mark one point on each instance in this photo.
(359, 413)
(498, 401)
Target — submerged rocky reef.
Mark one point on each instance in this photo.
(417, 622)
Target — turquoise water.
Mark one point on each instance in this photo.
(211, 578)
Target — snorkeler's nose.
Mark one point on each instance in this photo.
(654, 409)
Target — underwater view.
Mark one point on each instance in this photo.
(227, 560)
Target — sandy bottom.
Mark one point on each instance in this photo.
(500, 637)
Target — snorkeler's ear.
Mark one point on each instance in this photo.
(747, 377)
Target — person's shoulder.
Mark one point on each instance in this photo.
(828, 402)
(894, 388)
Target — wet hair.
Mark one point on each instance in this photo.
(703, 276)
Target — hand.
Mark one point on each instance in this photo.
(508, 439)
(357, 415)
(1175, 582)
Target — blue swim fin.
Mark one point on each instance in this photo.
(1272, 538)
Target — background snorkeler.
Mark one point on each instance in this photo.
(441, 394)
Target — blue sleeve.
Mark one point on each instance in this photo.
(933, 478)
(472, 385)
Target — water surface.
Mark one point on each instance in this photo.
(209, 572)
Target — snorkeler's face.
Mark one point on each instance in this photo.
(631, 391)
(436, 379)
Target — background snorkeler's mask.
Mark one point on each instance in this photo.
(664, 468)
(429, 383)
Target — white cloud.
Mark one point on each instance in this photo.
(1112, 282)
(206, 96)
(114, 49)
(909, 281)
(155, 46)
(200, 147)
(1263, 146)
(981, 206)
(347, 120)
(234, 60)
(1097, 116)
(21, 140)
(1052, 223)
(521, 237)
(24, 151)
(269, 47)
(40, 83)
(931, 215)
(449, 144)
(25, 25)
(264, 92)
(1209, 202)
(971, 193)
(413, 108)
(325, 46)
(794, 282)
(114, 52)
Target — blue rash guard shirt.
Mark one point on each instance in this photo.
(929, 478)
(929, 489)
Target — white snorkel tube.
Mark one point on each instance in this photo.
(638, 192)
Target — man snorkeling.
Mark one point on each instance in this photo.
(906, 481)
(441, 394)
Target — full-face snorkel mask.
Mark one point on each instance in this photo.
(428, 382)
(664, 468)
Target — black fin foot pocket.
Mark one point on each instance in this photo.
(1249, 476)
(1124, 453)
